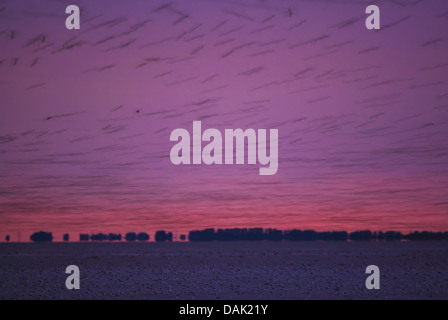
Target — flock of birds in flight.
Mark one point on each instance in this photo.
(339, 103)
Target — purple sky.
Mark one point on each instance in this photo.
(362, 115)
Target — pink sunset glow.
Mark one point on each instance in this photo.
(86, 115)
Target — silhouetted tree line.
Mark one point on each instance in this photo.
(41, 236)
(311, 235)
(258, 234)
(130, 236)
(253, 234)
(426, 235)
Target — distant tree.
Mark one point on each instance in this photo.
(202, 235)
(84, 237)
(183, 237)
(274, 235)
(41, 236)
(66, 237)
(162, 236)
(143, 236)
(293, 235)
(114, 237)
(99, 237)
(256, 234)
(333, 236)
(7, 238)
(130, 236)
(309, 235)
(364, 235)
(393, 235)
